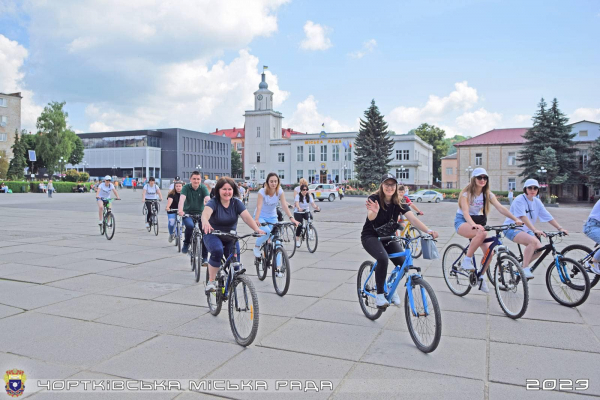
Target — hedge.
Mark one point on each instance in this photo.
(32, 187)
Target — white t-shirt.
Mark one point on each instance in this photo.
(242, 191)
(151, 192)
(595, 214)
(510, 195)
(269, 206)
(105, 191)
(476, 204)
(305, 205)
(533, 210)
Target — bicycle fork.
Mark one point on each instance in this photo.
(409, 286)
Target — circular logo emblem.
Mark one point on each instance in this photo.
(259, 97)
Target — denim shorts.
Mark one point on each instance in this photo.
(511, 233)
(592, 229)
(458, 221)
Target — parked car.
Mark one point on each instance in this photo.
(426, 195)
(322, 191)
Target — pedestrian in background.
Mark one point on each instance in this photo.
(510, 197)
(50, 188)
(134, 184)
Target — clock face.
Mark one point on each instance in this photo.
(259, 97)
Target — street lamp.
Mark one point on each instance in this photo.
(469, 171)
(541, 172)
(254, 174)
(62, 162)
(113, 169)
(345, 166)
(84, 164)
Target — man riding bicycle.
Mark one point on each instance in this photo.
(151, 192)
(191, 201)
(104, 192)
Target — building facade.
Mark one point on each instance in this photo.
(10, 121)
(450, 172)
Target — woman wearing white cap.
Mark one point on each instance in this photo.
(475, 198)
(529, 208)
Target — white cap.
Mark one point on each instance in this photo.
(479, 171)
(107, 178)
(531, 182)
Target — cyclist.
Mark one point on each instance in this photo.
(151, 192)
(191, 201)
(592, 230)
(173, 206)
(242, 191)
(529, 208)
(266, 208)
(302, 203)
(473, 199)
(221, 213)
(401, 193)
(103, 192)
(172, 185)
(383, 209)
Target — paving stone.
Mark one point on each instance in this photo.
(152, 316)
(324, 274)
(90, 307)
(34, 296)
(6, 311)
(143, 290)
(91, 283)
(190, 295)
(286, 306)
(345, 312)
(30, 273)
(346, 292)
(590, 313)
(457, 324)
(92, 265)
(545, 311)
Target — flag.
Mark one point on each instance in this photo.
(265, 67)
(350, 144)
(345, 145)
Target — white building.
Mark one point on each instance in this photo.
(320, 156)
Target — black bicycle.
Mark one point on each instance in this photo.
(145, 209)
(107, 228)
(274, 256)
(195, 246)
(153, 224)
(308, 234)
(237, 288)
(584, 256)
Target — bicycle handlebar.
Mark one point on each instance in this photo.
(399, 238)
(103, 199)
(500, 227)
(276, 223)
(233, 234)
(555, 233)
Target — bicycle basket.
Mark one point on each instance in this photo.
(430, 251)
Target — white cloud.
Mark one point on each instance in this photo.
(522, 118)
(477, 122)
(589, 114)
(316, 37)
(306, 118)
(368, 47)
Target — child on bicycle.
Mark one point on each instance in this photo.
(172, 206)
(592, 230)
(383, 209)
(302, 203)
(404, 199)
(529, 208)
(475, 198)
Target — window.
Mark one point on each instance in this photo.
(512, 183)
(253, 174)
(324, 153)
(583, 159)
(348, 154)
(258, 131)
(335, 175)
(3, 137)
(512, 158)
(405, 154)
(262, 174)
(299, 175)
(281, 174)
(3, 102)
(336, 152)
(312, 174)
(449, 171)
(448, 185)
(478, 158)
(401, 173)
(280, 157)
(3, 120)
(238, 146)
(258, 156)
(274, 132)
(311, 153)
(399, 155)
(583, 133)
(300, 153)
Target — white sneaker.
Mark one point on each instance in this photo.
(396, 299)
(100, 222)
(595, 268)
(298, 243)
(278, 274)
(256, 252)
(381, 301)
(467, 264)
(527, 273)
(483, 286)
(211, 286)
(147, 225)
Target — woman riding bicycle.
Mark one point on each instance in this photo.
(592, 230)
(266, 208)
(475, 198)
(103, 192)
(172, 206)
(529, 208)
(302, 204)
(151, 192)
(383, 209)
(221, 213)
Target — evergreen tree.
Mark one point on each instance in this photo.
(536, 142)
(436, 138)
(592, 170)
(18, 163)
(236, 164)
(373, 148)
(561, 140)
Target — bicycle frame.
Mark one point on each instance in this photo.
(494, 240)
(547, 249)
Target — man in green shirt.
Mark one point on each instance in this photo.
(192, 202)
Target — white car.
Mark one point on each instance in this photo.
(426, 195)
(322, 191)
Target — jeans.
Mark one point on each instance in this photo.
(172, 220)
(592, 229)
(380, 253)
(217, 248)
(50, 192)
(267, 229)
(189, 228)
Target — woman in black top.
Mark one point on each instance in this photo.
(172, 205)
(383, 209)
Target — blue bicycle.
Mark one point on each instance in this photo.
(421, 308)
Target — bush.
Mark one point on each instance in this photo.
(84, 176)
(16, 186)
(72, 176)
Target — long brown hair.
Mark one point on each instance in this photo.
(302, 199)
(268, 188)
(471, 188)
(221, 182)
(381, 194)
(174, 190)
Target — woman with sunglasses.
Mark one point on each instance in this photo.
(529, 208)
(474, 199)
(302, 204)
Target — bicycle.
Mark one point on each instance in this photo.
(108, 219)
(584, 255)
(275, 256)
(177, 230)
(570, 277)
(507, 277)
(237, 288)
(308, 233)
(145, 209)
(195, 248)
(419, 299)
(154, 219)
(412, 232)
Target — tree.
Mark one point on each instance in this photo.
(452, 140)
(536, 141)
(435, 137)
(18, 162)
(592, 170)
(77, 148)
(3, 164)
(561, 140)
(54, 136)
(373, 147)
(236, 164)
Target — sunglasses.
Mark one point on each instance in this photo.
(304, 190)
(532, 187)
(482, 178)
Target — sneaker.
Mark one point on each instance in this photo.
(100, 222)
(527, 273)
(298, 243)
(211, 286)
(184, 249)
(147, 225)
(467, 264)
(483, 286)
(205, 262)
(381, 301)
(396, 299)
(279, 274)
(257, 252)
(171, 237)
(595, 268)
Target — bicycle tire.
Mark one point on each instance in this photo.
(144, 209)
(214, 299)
(507, 280)
(262, 265)
(157, 206)
(109, 229)
(178, 238)
(311, 236)
(149, 227)
(490, 274)
(417, 334)
(250, 309)
(581, 254)
(571, 287)
(457, 282)
(415, 244)
(367, 303)
(155, 223)
(102, 225)
(282, 284)
(288, 238)
(197, 254)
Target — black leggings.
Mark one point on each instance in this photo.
(300, 217)
(380, 253)
(149, 214)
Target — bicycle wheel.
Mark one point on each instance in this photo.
(155, 223)
(157, 207)
(511, 290)
(149, 225)
(262, 265)
(570, 286)
(456, 279)
(214, 299)
(415, 244)
(243, 310)
(281, 264)
(312, 239)
(367, 303)
(178, 238)
(425, 329)
(582, 255)
(288, 240)
(197, 254)
(191, 254)
(144, 209)
(109, 229)
(102, 225)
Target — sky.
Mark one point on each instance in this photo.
(467, 66)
